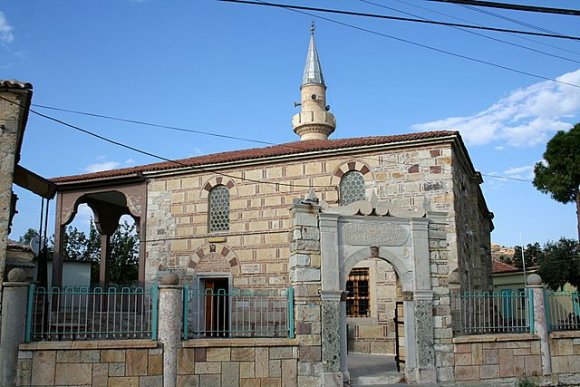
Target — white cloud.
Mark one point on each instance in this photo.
(527, 117)
(104, 166)
(6, 29)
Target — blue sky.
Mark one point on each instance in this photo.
(235, 70)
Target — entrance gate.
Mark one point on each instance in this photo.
(399, 324)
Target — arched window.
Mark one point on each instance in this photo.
(352, 187)
(219, 209)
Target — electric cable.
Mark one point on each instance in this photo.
(514, 7)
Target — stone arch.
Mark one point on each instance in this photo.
(403, 270)
(352, 165)
(214, 258)
(215, 181)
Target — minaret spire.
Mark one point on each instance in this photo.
(314, 122)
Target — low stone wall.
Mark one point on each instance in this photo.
(565, 351)
(501, 356)
(238, 362)
(111, 363)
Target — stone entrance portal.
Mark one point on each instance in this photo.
(362, 230)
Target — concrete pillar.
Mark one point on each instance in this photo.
(170, 321)
(13, 327)
(540, 324)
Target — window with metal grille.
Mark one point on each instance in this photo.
(358, 298)
(352, 188)
(219, 209)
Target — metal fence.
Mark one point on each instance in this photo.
(239, 313)
(504, 311)
(80, 313)
(563, 310)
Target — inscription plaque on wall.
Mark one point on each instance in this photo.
(371, 234)
(251, 268)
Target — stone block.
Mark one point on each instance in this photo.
(477, 354)
(100, 375)
(208, 368)
(281, 353)
(565, 347)
(461, 348)
(200, 354)
(209, 380)
(124, 382)
(91, 356)
(43, 365)
(247, 369)
(312, 354)
(243, 354)
(230, 374)
(445, 374)
(261, 362)
(519, 366)
(136, 362)
(464, 373)
(156, 364)
(289, 372)
(73, 373)
(113, 356)
(463, 359)
(490, 356)
(270, 382)
(309, 381)
(506, 363)
(151, 381)
(218, 354)
(116, 369)
(560, 365)
(68, 357)
(489, 371)
(187, 381)
(534, 365)
(254, 382)
(275, 368)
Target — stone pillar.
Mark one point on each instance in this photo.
(170, 321)
(331, 343)
(540, 324)
(425, 351)
(105, 252)
(305, 278)
(14, 302)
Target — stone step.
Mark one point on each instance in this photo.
(385, 378)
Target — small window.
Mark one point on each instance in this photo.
(219, 209)
(358, 298)
(352, 188)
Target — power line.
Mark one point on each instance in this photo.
(372, 15)
(478, 34)
(498, 16)
(514, 7)
(442, 51)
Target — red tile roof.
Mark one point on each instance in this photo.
(502, 267)
(14, 84)
(259, 153)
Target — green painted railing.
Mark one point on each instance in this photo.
(80, 313)
(239, 313)
(563, 310)
(503, 311)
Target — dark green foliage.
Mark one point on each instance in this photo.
(560, 174)
(532, 254)
(28, 235)
(560, 264)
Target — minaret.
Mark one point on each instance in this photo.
(314, 122)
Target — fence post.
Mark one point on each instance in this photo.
(29, 311)
(540, 323)
(170, 320)
(14, 304)
(290, 296)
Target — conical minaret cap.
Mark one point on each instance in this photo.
(312, 68)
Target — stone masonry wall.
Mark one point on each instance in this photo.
(136, 363)
(259, 212)
(239, 363)
(565, 351)
(493, 357)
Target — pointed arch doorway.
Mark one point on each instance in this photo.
(352, 234)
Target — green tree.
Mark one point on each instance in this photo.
(123, 263)
(559, 175)
(532, 254)
(28, 235)
(560, 263)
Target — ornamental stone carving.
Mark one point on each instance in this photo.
(375, 234)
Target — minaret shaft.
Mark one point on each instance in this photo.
(313, 122)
